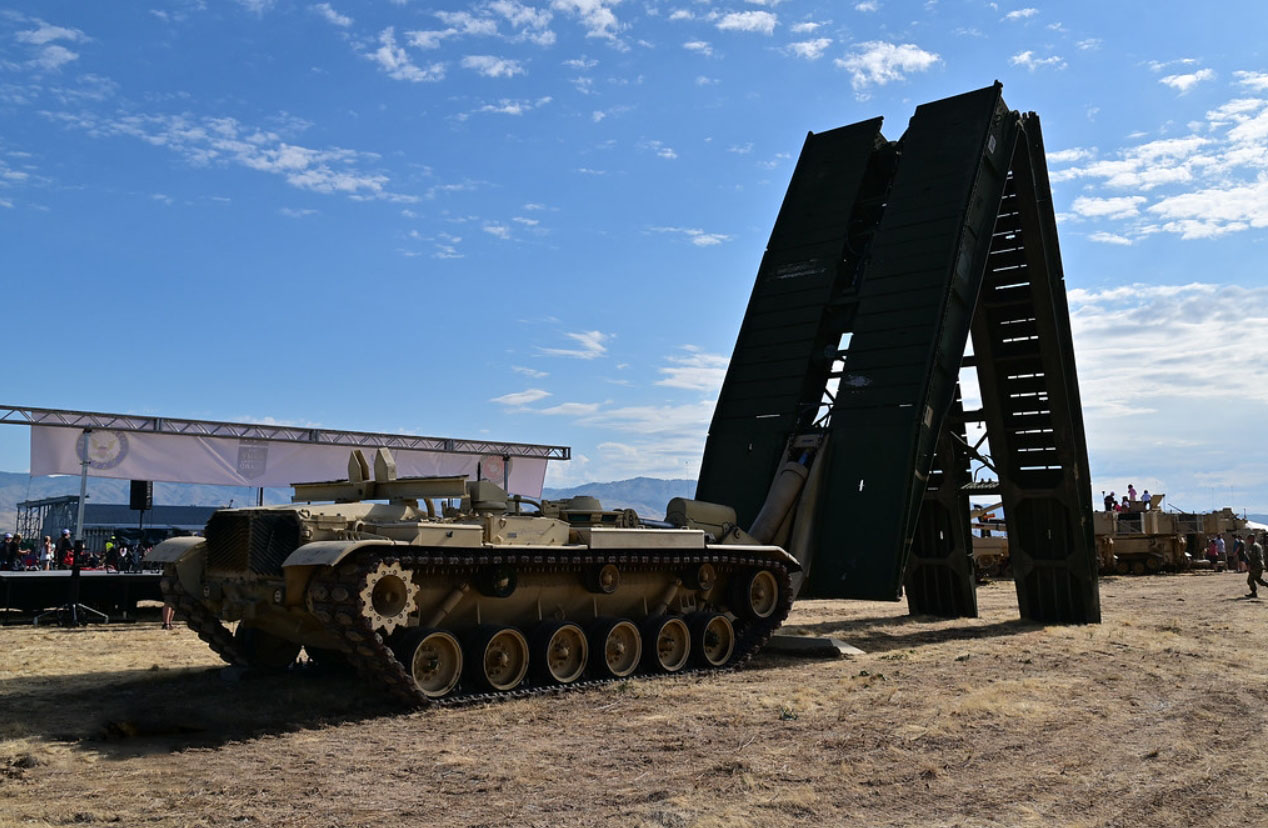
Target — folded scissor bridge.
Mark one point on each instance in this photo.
(886, 257)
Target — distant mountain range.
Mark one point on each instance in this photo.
(645, 495)
(16, 487)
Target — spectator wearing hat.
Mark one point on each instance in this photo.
(11, 555)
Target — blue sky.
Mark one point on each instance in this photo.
(541, 222)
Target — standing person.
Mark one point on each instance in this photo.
(46, 554)
(1109, 502)
(1220, 549)
(1255, 560)
(65, 551)
(1239, 552)
(8, 553)
(1145, 499)
(1131, 492)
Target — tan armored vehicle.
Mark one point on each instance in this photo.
(1141, 541)
(440, 588)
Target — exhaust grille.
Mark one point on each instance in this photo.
(251, 541)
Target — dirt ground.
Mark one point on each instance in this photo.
(1155, 717)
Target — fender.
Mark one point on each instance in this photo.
(173, 550)
(329, 552)
(186, 556)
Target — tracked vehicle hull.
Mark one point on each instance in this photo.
(446, 624)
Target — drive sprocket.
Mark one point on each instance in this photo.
(388, 596)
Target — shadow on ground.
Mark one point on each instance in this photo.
(903, 632)
(135, 712)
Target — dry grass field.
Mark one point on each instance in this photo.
(1154, 718)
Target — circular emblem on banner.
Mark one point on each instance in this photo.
(102, 449)
(493, 467)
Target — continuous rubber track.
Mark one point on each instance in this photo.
(334, 599)
(200, 619)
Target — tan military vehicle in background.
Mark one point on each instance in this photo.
(1141, 541)
(443, 588)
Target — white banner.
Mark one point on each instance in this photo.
(228, 461)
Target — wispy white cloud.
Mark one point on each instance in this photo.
(1068, 155)
(508, 106)
(1209, 183)
(1021, 14)
(1256, 81)
(1118, 208)
(500, 231)
(700, 47)
(493, 67)
(210, 141)
(589, 345)
(761, 22)
(1103, 237)
(393, 60)
(518, 399)
(1185, 83)
(532, 373)
(328, 13)
(877, 62)
(595, 16)
(806, 27)
(294, 212)
(44, 33)
(694, 370)
(810, 49)
(695, 235)
(1028, 60)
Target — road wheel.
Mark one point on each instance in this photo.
(668, 643)
(497, 657)
(712, 638)
(433, 658)
(559, 652)
(617, 647)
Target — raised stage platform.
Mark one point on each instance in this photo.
(114, 593)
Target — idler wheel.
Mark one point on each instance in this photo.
(263, 650)
(497, 657)
(755, 594)
(433, 658)
(668, 643)
(559, 652)
(387, 597)
(617, 647)
(712, 638)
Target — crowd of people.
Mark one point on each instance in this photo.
(1112, 504)
(119, 556)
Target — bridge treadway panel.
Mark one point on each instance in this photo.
(778, 358)
(915, 304)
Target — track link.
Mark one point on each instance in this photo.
(200, 619)
(333, 596)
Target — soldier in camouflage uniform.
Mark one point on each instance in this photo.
(1255, 558)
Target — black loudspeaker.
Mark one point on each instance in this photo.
(141, 498)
